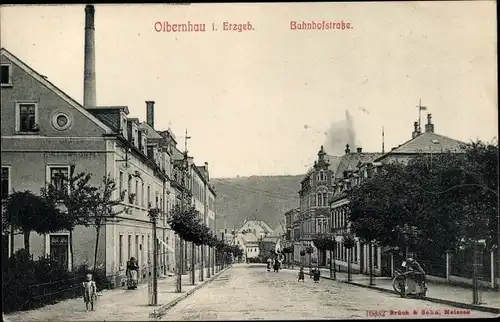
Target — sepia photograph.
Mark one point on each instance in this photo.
(250, 161)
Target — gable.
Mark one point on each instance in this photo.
(30, 86)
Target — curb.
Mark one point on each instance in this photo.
(165, 307)
(461, 305)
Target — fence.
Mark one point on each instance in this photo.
(458, 267)
(462, 264)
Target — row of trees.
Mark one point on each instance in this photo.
(433, 203)
(69, 201)
(187, 224)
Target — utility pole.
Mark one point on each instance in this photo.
(153, 216)
(420, 109)
(383, 139)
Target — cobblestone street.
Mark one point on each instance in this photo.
(250, 292)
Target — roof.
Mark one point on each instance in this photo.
(278, 231)
(334, 161)
(177, 155)
(256, 224)
(120, 107)
(350, 161)
(426, 142)
(152, 134)
(41, 79)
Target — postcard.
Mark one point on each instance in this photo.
(249, 161)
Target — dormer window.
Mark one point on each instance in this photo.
(144, 143)
(135, 138)
(123, 126)
(6, 75)
(155, 155)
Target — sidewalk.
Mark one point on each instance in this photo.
(112, 305)
(437, 292)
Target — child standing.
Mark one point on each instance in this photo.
(89, 292)
(301, 275)
(316, 275)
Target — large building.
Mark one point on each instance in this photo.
(347, 175)
(354, 170)
(44, 133)
(316, 190)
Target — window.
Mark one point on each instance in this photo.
(137, 247)
(129, 186)
(120, 185)
(6, 75)
(147, 249)
(322, 199)
(120, 251)
(59, 176)
(142, 194)
(27, 117)
(149, 196)
(61, 121)
(129, 247)
(143, 259)
(136, 201)
(5, 182)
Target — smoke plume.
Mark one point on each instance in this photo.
(339, 134)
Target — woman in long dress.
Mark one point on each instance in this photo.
(132, 273)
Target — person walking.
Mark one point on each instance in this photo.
(132, 274)
(89, 293)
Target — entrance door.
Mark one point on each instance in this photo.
(59, 249)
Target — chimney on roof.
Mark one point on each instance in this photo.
(415, 132)
(89, 79)
(150, 113)
(429, 127)
(206, 166)
(347, 150)
(359, 150)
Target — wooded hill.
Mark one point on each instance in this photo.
(264, 198)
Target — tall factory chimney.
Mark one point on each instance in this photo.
(89, 80)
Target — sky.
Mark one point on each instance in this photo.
(262, 102)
